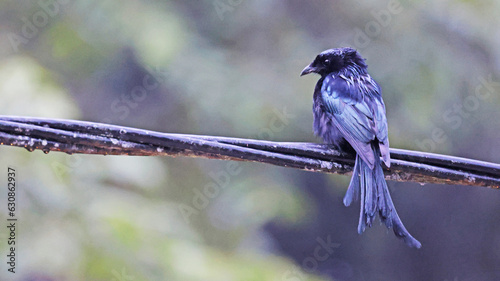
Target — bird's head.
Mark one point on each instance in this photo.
(333, 60)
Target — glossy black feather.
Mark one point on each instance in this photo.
(349, 111)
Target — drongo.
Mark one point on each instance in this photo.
(349, 113)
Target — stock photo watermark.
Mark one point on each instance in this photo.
(123, 106)
(223, 6)
(221, 179)
(454, 116)
(61, 169)
(322, 252)
(32, 25)
(372, 29)
(122, 275)
(12, 223)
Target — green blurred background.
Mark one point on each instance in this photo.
(231, 68)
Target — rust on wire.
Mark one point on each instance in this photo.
(80, 137)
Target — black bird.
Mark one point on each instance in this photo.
(349, 113)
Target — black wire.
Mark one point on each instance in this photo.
(96, 138)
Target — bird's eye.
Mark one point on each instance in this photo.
(326, 62)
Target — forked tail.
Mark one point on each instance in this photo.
(375, 197)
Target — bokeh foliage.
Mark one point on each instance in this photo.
(230, 68)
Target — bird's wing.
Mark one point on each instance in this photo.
(357, 114)
(382, 130)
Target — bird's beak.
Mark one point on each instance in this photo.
(307, 70)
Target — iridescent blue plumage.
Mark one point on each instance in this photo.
(349, 112)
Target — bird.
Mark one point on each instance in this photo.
(349, 113)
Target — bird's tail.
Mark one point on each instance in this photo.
(375, 197)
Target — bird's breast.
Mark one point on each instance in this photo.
(323, 125)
